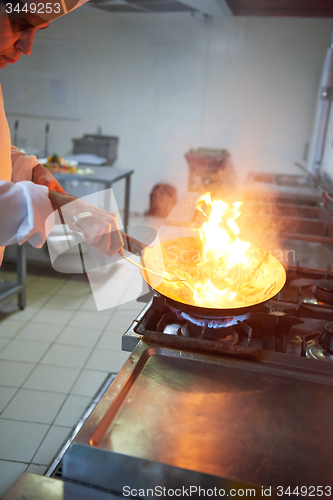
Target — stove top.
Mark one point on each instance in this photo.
(298, 322)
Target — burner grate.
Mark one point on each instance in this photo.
(284, 324)
(261, 330)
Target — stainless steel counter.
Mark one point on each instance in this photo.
(257, 421)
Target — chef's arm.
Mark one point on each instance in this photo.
(59, 199)
(22, 165)
(99, 227)
(27, 168)
(41, 175)
(24, 207)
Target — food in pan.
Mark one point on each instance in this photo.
(220, 270)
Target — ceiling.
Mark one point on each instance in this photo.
(137, 6)
(216, 8)
(289, 8)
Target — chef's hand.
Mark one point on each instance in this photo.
(99, 227)
(100, 230)
(41, 175)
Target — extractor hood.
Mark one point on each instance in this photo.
(213, 8)
(216, 8)
(283, 8)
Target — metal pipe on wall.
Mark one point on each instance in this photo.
(324, 103)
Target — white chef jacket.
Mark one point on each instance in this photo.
(24, 206)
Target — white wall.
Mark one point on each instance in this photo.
(167, 82)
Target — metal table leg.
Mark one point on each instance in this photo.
(107, 197)
(21, 275)
(127, 201)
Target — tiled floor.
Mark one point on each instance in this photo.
(54, 356)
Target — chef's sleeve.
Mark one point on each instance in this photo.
(24, 208)
(22, 165)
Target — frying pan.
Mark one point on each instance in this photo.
(171, 255)
(185, 254)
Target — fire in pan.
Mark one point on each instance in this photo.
(220, 273)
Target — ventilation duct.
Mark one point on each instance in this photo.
(213, 8)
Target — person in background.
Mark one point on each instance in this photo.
(29, 193)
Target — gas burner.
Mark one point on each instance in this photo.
(213, 323)
(315, 351)
(176, 322)
(323, 291)
(296, 324)
(326, 338)
(318, 294)
(322, 347)
(216, 329)
(222, 334)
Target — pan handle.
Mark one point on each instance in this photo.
(131, 244)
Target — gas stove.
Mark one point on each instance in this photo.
(298, 322)
(229, 403)
(242, 401)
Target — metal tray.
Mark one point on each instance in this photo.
(264, 421)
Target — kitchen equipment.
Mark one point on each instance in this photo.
(16, 126)
(180, 251)
(148, 272)
(210, 170)
(236, 399)
(285, 206)
(239, 401)
(231, 397)
(259, 276)
(130, 244)
(46, 140)
(214, 397)
(104, 146)
(193, 412)
(319, 138)
(134, 246)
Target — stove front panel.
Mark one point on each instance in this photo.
(253, 421)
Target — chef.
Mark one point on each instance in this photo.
(29, 193)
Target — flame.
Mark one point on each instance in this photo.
(230, 272)
(219, 233)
